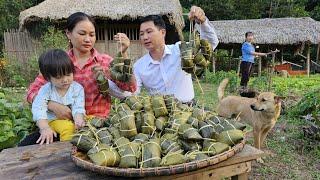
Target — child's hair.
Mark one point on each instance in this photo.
(55, 63)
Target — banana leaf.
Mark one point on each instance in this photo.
(113, 120)
(159, 106)
(161, 123)
(118, 76)
(104, 155)
(134, 103)
(190, 145)
(96, 122)
(123, 107)
(103, 84)
(187, 132)
(104, 136)
(147, 106)
(151, 153)
(117, 64)
(173, 158)
(127, 124)
(206, 130)
(198, 113)
(214, 148)
(196, 155)
(139, 121)
(130, 155)
(83, 141)
(199, 59)
(148, 125)
(194, 122)
(114, 132)
(169, 143)
(230, 137)
(141, 138)
(207, 48)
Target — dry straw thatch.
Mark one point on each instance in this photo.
(282, 31)
(105, 9)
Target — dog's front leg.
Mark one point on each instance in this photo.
(264, 135)
(256, 137)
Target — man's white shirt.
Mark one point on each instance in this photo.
(166, 76)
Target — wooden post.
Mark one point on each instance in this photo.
(271, 72)
(308, 60)
(238, 71)
(259, 66)
(230, 59)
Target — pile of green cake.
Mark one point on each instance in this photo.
(152, 131)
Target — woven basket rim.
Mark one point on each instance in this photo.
(158, 171)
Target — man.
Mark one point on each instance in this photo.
(248, 54)
(159, 71)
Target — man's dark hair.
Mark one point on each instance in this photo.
(55, 63)
(248, 33)
(156, 19)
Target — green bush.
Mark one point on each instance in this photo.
(309, 104)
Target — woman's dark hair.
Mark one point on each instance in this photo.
(156, 19)
(55, 63)
(248, 33)
(77, 17)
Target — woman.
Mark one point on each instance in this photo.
(80, 31)
(248, 54)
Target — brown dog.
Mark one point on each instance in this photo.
(261, 113)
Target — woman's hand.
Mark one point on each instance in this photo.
(196, 13)
(98, 69)
(61, 111)
(46, 132)
(123, 40)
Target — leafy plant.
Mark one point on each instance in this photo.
(15, 121)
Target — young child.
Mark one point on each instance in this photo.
(57, 69)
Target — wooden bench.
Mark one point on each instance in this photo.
(53, 162)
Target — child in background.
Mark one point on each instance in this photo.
(57, 69)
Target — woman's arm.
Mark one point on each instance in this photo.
(35, 87)
(259, 54)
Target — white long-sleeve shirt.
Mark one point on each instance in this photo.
(166, 76)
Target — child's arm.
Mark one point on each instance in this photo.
(39, 112)
(78, 108)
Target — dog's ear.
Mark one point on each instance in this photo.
(278, 99)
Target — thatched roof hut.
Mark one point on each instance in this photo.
(278, 31)
(106, 9)
(111, 16)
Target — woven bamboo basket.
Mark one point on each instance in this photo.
(82, 161)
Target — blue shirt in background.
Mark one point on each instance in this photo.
(247, 49)
(74, 98)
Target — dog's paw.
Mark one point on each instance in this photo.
(260, 160)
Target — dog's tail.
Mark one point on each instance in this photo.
(222, 87)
